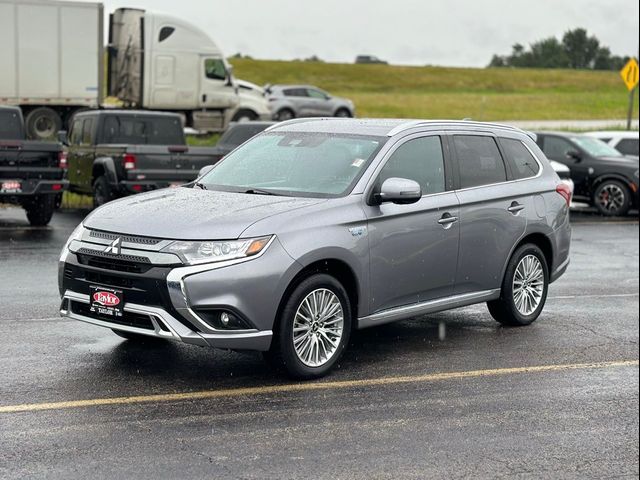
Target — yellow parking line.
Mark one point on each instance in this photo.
(302, 387)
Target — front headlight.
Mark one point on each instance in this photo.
(194, 253)
(75, 235)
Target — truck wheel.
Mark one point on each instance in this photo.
(102, 192)
(612, 198)
(244, 116)
(40, 210)
(42, 124)
(313, 329)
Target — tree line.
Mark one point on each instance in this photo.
(576, 50)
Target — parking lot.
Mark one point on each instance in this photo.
(446, 395)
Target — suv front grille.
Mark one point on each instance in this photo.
(119, 263)
(124, 238)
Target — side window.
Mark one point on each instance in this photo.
(295, 92)
(479, 160)
(557, 148)
(76, 132)
(421, 160)
(628, 146)
(214, 69)
(87, 132)
(522, 163)
(165, 32)
(316, 94)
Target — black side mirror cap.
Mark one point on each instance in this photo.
(574, 155)
(63, 138)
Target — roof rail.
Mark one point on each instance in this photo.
(418, 123)
(293, 121)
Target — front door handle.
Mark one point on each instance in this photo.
(447, 220)
(515, 208)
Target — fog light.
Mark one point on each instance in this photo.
(225, 319)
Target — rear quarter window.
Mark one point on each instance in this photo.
(628, 146)
(479, 161)
(522, 163)
(10, 125)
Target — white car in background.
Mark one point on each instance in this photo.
(564, 173)
(253, 103)
(626, 142)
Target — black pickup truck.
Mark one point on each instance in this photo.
(31, 172)
(114, 153)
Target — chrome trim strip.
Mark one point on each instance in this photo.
(155, 258)
(423, 308)
(178, 294)
(257, 339)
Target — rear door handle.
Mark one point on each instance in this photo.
(447, 220)
(515, 208)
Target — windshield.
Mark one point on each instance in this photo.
(595, 147)
(296, 164)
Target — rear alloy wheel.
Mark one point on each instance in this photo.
(612, 198)
(313, 328)
(42, 124)
(524, 288)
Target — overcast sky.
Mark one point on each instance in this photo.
(440, 32)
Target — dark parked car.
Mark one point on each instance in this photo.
(603, 177)
(317, 227)
(31, 172)
(118, 153)
(236, 135)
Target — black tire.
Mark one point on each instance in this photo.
(136, 337)
(102, 192)
(504, 310)
(40, 210)
(285, 114)
(343, 113)
(282, 353)
(612, 198)
(245, 116)
(42, 124)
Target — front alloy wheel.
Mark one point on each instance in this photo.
(611, 198)
(312, 330)
(318, 327)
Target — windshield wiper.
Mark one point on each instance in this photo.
(259, 191)
(201, 186)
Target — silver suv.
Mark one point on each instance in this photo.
(297, 101)
(314, 228)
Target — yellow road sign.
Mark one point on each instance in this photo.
(629, 74)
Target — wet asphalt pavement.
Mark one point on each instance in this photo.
(575, 418)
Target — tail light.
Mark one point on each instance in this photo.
(62, 160)
(129, 161)
(565, 192)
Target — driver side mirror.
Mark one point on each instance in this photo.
(401, 191)
(574, 155)
(63, 138)
(204, 170)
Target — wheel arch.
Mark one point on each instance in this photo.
(542, 241)
(338, 269)
(104, 166)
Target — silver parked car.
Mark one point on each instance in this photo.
(298, 101)
(314, 228)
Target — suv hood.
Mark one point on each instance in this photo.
(190, 214)
(622, 161)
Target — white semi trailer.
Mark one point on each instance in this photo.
(53, 58)
(50, 61)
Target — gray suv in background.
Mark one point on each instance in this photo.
(317, 227)
(297, 101)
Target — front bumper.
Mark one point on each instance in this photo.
(167, 300)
